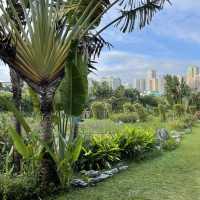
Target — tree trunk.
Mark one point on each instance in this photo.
(17, 96)
(48, 174)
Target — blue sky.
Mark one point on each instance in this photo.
(169, 45)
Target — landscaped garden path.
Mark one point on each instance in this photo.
(172, 176)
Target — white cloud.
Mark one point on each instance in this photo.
(129, 66)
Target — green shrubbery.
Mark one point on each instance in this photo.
(18, 188)
(99, 110)
(125, 117)
(103, 151)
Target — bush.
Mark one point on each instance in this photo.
(140, 110)
(179, 110)
(197, 115)
(162, 111)
(170, 145)
(125, 117)
(134, 143)
(18, 188)
(99, 152)
(102, 151)
(99, 110)
(177, 125)
(128, 107)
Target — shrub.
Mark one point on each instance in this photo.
(197, 115)
(179, 110)
(134, 143)
(18, 188)
(177, 125)
(128, 107)
(170, 145)
(139, 109)
(99, 152)
(162, 111)
(102, 151)
(192, 109)
(125, 117)
(99, 110)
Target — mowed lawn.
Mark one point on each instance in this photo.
(173, 176)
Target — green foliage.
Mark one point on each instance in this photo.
(170, 145)
(102, 151)
(125, 117)
(192, 109)
(140, 110)
(66, 157)
(179, 110)
(177, 125)
(128, 107)
(72, 93)
(149, 100)
(176, 90)
(18, 188)
(99, 152)
(99, 110)
(162, 111)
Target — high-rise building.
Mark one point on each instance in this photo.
(113, 82)
(140, 85)
(152, 83)
(193, 77)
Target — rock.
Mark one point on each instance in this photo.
(123, 168)
(158, 147)
(162, 135)
(92, 173)
(177, 138)
(99, 178)
(79, 183)
(114, 170)
(108, 173)
(188, 131)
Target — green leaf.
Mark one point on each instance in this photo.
(19, 143)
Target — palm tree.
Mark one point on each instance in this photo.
(40, 50)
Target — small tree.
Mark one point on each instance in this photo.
(98, 110)
(139, 109)
(179, 110)
(162, 111)
(128, 107)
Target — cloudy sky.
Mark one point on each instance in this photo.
(169, 45)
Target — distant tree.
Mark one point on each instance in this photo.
(101, 90)
(175, 90)
(149, 100)
(1, 86)
(132, 95)
(119, 92)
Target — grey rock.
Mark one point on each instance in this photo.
(114, 170)
(158, 147)
(99, 178)
(92, 173)
(162, 135)
(108, 173)
(79, 183)
(123, 168)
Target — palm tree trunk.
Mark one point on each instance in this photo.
(17, 96)
(48, 174)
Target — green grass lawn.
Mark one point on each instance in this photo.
(172, 176)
